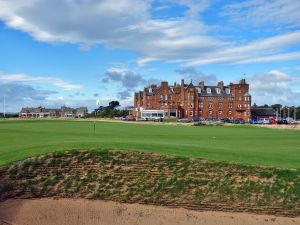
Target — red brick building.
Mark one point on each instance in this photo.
(190, 101)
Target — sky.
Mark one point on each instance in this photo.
(73, 52)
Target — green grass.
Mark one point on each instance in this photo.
(241, 144)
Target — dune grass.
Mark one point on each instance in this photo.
(240, 144)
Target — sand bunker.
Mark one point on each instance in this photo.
(91, 212)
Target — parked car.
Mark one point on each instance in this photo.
(120, 118)
(226, 120)
(196, 119)
(290, 120)
(239, 121)
(183, 120)
(253, 121)
(129, 118)
(141, 119)
(263, 121)
(158, 119)
(282, 121)
(272, 121)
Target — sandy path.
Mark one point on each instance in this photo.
(88, 212)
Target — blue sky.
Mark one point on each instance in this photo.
(73, 52)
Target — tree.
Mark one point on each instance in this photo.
(276, 106)
(114, 104)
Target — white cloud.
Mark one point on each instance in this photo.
(128, 24)
(265, 50)
(22, 78)
(275, 87)
(279, 13)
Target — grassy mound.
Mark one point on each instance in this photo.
(149, 178)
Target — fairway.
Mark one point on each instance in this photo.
(240, 144)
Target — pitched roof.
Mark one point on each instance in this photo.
(263, 112)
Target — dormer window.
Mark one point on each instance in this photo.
(208, 90)
(150, 90)
(218, 90)
(227, 91)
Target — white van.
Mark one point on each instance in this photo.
(263, 121)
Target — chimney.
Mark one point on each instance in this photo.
(201, 84)
(221, 84)
(182, 82)
(242, 81)
(164, 84)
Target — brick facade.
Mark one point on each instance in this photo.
(190, 101)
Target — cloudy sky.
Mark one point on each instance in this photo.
(73, 52)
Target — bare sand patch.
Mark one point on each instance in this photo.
(90, 212)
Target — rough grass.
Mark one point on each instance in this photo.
(149, 178)
(247, 145)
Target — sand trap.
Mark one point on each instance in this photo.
(89, 212)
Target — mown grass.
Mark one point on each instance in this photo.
(241, 144)
(136, 177)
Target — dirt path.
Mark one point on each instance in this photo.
(91, 212)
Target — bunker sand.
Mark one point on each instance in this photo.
(48, 211)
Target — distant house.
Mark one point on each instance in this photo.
(257, 113)
(42, 112)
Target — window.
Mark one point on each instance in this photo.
(170, 97)
(200, 105)
(230, 99)
(220, 112)
(220, 99)
(191, 113)
(210, 112)
(191, 97)
(191, 106)
(229, 112)
(166, 97)
(218, 90)
(210, 105)
(239, 106)
(240, 99)
(161, 97)
(227, 90)
(210, 99)
(208, 90)
(220, 105)
(230, 105)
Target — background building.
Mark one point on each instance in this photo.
(41, 112)
(190, 101)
